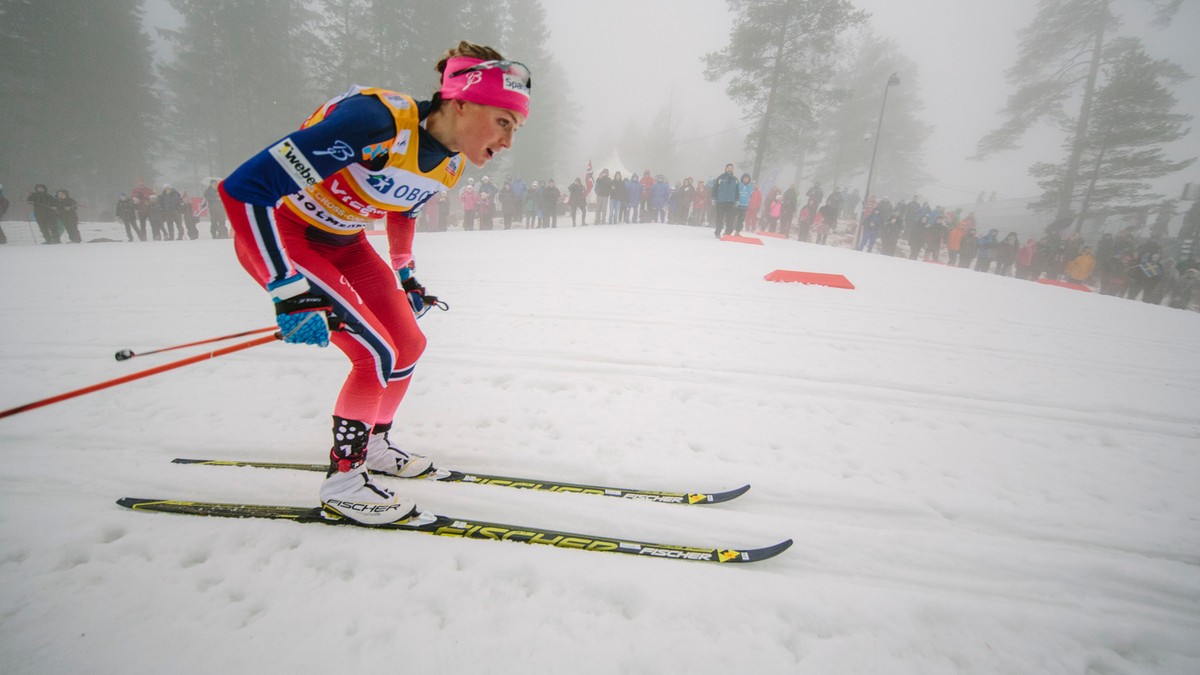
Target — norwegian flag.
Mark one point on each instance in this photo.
(588, 181)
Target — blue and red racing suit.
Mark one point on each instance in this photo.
(300, 206)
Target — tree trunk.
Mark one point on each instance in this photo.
(1066, 196)
(766, 123)
(800, 162)
(1087, 196)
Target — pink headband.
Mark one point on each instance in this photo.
(492, 86)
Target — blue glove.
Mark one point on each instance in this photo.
(302, 315)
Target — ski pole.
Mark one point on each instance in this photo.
(126, 354)
(143, 373)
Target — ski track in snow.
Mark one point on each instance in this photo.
(981, 474)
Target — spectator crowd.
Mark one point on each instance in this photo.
(1122, 264)
(146, 214)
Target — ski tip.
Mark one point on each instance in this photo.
(718, 497)
(749, 555)
(181, 460)
(771, 551)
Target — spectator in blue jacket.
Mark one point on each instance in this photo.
(986, 250)
(660, 192)
(724, 192)
(745, 190)
(633, 198)
(518, 188)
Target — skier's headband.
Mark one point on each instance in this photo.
(503, 84)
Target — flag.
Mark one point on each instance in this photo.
(588, 181)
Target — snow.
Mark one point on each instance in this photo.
(982, 475)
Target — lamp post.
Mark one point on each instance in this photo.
(892, 81)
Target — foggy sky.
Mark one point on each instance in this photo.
(626, 58)
(962, 48)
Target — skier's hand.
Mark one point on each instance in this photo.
(417, 299)
(302, 315)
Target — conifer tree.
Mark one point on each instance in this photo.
(536, 149)
(779, 58)
(241, 77)
(81, 118)
(1132, 118)
(847, 126)
(348, 32)
(1059, 62)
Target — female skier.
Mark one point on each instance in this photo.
(298, 210)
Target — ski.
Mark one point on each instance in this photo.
(454, 476)
(446, 526)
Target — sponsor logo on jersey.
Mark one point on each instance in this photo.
(453, 167)
(322, 209)
(397, 101)
(382, 183)
(340, 150)
(350, 198)
(400, 146)
(294, 163)
(372, 151)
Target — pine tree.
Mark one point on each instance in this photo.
(384, 43)
(1132, 119)
(780, 56)
(80, 118)
(431, 28)
(347, 30)
(849, 123)
(240, 78)
(535, 151)
(1059, 62)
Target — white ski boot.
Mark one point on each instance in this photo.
(348, 490)
(351, 494)
(384, 457)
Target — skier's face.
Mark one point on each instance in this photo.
(485, 130)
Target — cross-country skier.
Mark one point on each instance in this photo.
(298, 210)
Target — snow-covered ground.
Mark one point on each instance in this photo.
(982, 475)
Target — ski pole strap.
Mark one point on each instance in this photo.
(433, 300)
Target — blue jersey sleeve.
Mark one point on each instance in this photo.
(308, 156)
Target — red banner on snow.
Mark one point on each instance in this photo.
(1066, 284)
(813, 278)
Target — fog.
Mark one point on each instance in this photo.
(962, 48)
(626, 60)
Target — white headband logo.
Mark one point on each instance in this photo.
(473, 78)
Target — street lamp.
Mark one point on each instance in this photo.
(892, 81)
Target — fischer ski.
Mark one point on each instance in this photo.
(454, 476)
(446, 526)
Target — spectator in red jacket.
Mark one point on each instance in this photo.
(647, 182)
